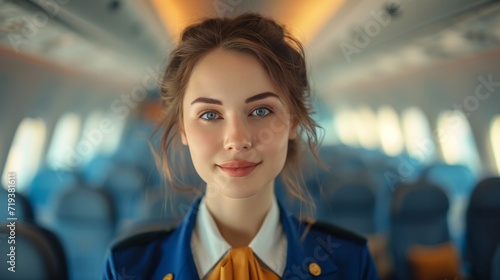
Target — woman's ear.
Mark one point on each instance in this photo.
(293, 129)
(183, 136)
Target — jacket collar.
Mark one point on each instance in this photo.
(299, 257)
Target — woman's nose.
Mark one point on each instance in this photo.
(238, 135)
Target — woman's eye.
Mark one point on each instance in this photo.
(209, 116)
(261, 112)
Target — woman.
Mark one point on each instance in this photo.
(236, 94)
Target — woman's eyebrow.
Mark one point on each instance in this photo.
(207, 100)
(248, 100)
(261, 96)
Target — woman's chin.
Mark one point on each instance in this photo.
(234, 191)
(239, 191)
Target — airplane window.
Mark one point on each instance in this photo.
(92, 137)
(330, 133)
(112, 134)
(345, 120)
(456, 140)
(417, 134)
(495, 140)
(366, 128)
(63, 152)
(389, 130)
(100, 135)
(26, 151)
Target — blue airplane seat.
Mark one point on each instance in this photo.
(85, 220)
(95, 171)
(341, 164)
(135, 149)
(483, 227)
(384, 192)
(387, 174)
(157, 207)
(313, 174)
(38, 254)
(371, 155)
(350, 206)
(458, 181)
(44, 186)
(495, 266)
(127, 185)
(290, 203)
(344, 166)
(23, 210)
(418, 217)
(143, 160)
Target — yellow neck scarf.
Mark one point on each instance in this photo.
(241, 264)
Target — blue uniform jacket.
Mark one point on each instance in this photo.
(338, 253)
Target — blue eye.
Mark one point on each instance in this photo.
(210, 116)
(261, 112)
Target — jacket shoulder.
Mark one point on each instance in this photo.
(140, 238)
(335, 231)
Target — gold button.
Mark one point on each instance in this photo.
(169, 276)
(314, 269)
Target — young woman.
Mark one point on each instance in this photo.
(236, 94)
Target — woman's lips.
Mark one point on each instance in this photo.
(238, 168)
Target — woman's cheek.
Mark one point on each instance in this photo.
(205, 136)
(274, 130)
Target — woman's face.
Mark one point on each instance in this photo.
(235, 124)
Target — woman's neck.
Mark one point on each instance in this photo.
(239, 220)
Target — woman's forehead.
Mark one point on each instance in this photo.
(229, 73)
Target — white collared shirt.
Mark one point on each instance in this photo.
(208, 245)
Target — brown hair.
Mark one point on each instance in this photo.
(281, 55)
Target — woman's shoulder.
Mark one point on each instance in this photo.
(347, 251)
(337, 232)
(142, 254)
(340, 243)
(140, 238)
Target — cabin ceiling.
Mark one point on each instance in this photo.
(301, 17)
(345, 41)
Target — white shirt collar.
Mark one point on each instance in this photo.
(208, 245)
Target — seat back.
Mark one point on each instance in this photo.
(495, 266)
(458, 182)
(126, 185)
(455, 179)
(483, 227)
(38, 254)
(44, 186)
(95, 171)
(85, 220)
(352, 206)
(418, 217)
(290, 203)
(158, 208)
